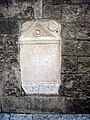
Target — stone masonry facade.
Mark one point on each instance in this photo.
(74, 92)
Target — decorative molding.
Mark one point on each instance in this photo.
(53, 25)
(42, 29)
(41, 88)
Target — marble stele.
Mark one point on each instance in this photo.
(40, 56)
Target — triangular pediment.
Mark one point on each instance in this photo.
(37, 29)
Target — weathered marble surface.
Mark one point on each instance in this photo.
(40, 57)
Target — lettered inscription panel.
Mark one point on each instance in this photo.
(40, 57)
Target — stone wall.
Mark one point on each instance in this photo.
(74, 93)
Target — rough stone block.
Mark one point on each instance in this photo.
(52, 11)
(83, 48)
(2, 2)
(5, 3)
(1, 60)
(22, 9)
(69, 47)
(46, 104)
(69, 31)
(27, 13)
(1, 46)
(32, 2)
(1, 94)
(78, 31)
(75, 13)
(47, 11)
(56, 12)
(83, 31)
(9, 51)
(10, 66)
(52, 2)
(78, 105)
(10, 59)
(76, 83)
(69, 64)
(84, 64)
(76, 47)
(11, 79)
(30, 104)
(1, 16)
(8, 43)
(24, 12)
(70, 81)
(9, 26)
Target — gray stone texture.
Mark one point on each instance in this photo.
(83, 31)
(44, 117)
(76, 85)
(8, 43)
(45, 104)
(18, 9)
(76, 13)
(69, 64)
(84, 64)
(52, 12)
(10, 64)
(68, 31)
(74, 92)
(52, 2)
(9, 26)
(76, 47)
(29, 104)
(69, 47)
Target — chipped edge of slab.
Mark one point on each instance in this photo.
(41, 88)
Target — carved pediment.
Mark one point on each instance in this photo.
(40, 30)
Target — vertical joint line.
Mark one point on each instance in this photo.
(41, 8)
